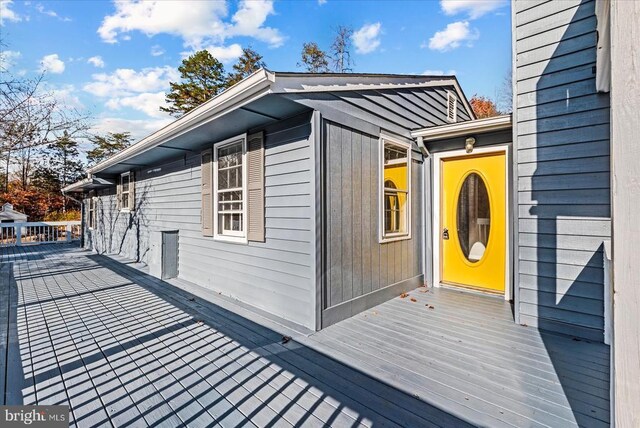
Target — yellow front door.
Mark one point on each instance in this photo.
(473, 235)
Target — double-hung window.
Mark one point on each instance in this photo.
(125, 189)
(230, 202)
(395, 190)
(92, 212)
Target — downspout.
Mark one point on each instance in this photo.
(81, 216)
(425, 208)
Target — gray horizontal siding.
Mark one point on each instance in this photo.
(563, 168)
(276, 275)
(360, 270)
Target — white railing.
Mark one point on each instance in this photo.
(35, 233)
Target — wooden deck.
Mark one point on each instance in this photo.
(125, 349)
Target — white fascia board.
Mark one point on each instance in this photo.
(76, 186)
(463, 128)
(309, 84)
(255, 86)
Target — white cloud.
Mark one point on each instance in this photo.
(249, 21)
(6, 14)
(453, 36)
(8, 59)
(367, 38)
(156, 50)
(226, 54)
(198, 23)
(321, 2)
(52, 63)
(66, 96)
(438, 72)
(148, 103)
(96, 61)
(474, 8)
(139, 128)
(126, 82)
(40, 8)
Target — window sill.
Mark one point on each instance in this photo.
(231, 239)
(394, 239)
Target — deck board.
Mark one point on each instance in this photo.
(120, 347)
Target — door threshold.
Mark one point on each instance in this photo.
(472, 290)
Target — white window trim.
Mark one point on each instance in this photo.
(382, 238)
(122, 208)
(452, 95)
(242, 239)
(93, 217)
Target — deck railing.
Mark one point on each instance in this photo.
(35, 233)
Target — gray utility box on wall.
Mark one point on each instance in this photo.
(169, 254)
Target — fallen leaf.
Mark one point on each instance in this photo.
(524, 325)
(424, 291)
(431, 307)
(286, 339)
(413, 299)
(403, 295)
(192, 299)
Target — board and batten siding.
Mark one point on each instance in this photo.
(561, 127)
(359, 272)
(276, 275)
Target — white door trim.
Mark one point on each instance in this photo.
(435, 210)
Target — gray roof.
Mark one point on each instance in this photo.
(8, 213)
(259, 99)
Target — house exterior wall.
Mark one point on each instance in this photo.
(625, 99)
(360, 272)
(275, 276)
(561, 132)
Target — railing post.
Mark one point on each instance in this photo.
(18, 230)
(69, 232)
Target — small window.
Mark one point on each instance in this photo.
(395, 190)
(125, 189)
(452, 107)
(92, 212)
(230, 190)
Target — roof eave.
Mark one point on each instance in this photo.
(490, 124)
(256, 85)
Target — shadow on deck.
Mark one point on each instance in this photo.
(121, 347)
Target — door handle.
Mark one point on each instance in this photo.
(445, 233)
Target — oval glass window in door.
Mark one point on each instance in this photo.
(473, 217)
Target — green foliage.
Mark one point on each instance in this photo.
(249, 62)
(314, 59)
(64, 161)
(107, 145)
(46, 179)
(203, 77)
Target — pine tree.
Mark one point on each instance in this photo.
(64, 159)
(203, 77)
(108, 145)
(249, 62)
(314, 59)
(341, 50)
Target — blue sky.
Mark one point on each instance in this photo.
(115, 59)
